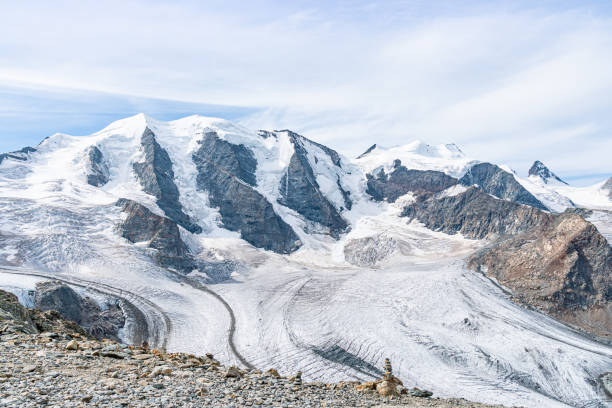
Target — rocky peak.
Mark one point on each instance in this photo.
(383, 187)
(494, 180)
(369, 149)
(538, 169)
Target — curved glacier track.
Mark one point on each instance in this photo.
(147, 320)
(232, 327)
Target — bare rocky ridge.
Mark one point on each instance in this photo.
(493, 180)
(97, 174)
(563, 266)
(161, 233)
(538, 169)
(226, 172)
(157, 178)
(300, 191)
(383, 187)
(475, 214)
(20, 155)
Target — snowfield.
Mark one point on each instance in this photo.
(324, 310)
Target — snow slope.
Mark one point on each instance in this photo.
(445, 328)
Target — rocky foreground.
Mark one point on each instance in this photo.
(68, 368)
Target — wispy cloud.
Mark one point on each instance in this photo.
(509, 82)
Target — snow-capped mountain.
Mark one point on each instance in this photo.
(319, 263)
(539, 171)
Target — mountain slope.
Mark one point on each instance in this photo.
(299, 253)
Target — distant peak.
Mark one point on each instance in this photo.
(367, 151)
(539, 169)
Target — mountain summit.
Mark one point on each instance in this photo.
(539, 169)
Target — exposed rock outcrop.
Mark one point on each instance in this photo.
(227, 172)
(161, 233)
(493, 180)
(369, 149)
(20, 155)
(15, 318)
(97, 170)
(370, 251)
(84, 311)
(401, 181)
(157, 178)
(475, 214)
(300, 190)
(562, 266)
(538, 169)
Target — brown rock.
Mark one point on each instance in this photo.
(387, 389)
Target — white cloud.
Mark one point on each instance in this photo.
(509, 85)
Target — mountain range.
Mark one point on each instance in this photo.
(270, 249)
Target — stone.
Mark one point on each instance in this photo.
(387, 389)
(72, 345)
(416, 392)
(160, 370)
(233, 372)
(272, 372)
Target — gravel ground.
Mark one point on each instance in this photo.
(69, 370)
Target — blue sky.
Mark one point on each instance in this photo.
(509, 81)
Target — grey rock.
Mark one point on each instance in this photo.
(300, 191)
(369, 149)
(401, 181)
(475, 214)
(157, 178)
(226, 172)
(562, 266)
(161, 233)
(538, 169)
(493, 180)
(53, 295)
(20, 155)
(97, 172)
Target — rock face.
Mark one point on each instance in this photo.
(97, 174)
(538, 169)
(157, 178)
(300, 191)
(475, 214)
(493, 180)
(227, 172)
(83, 311)
(369, 149)
(161, 233)
(563, 266)
(18, 319)
(401, 181)
(21, 155)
